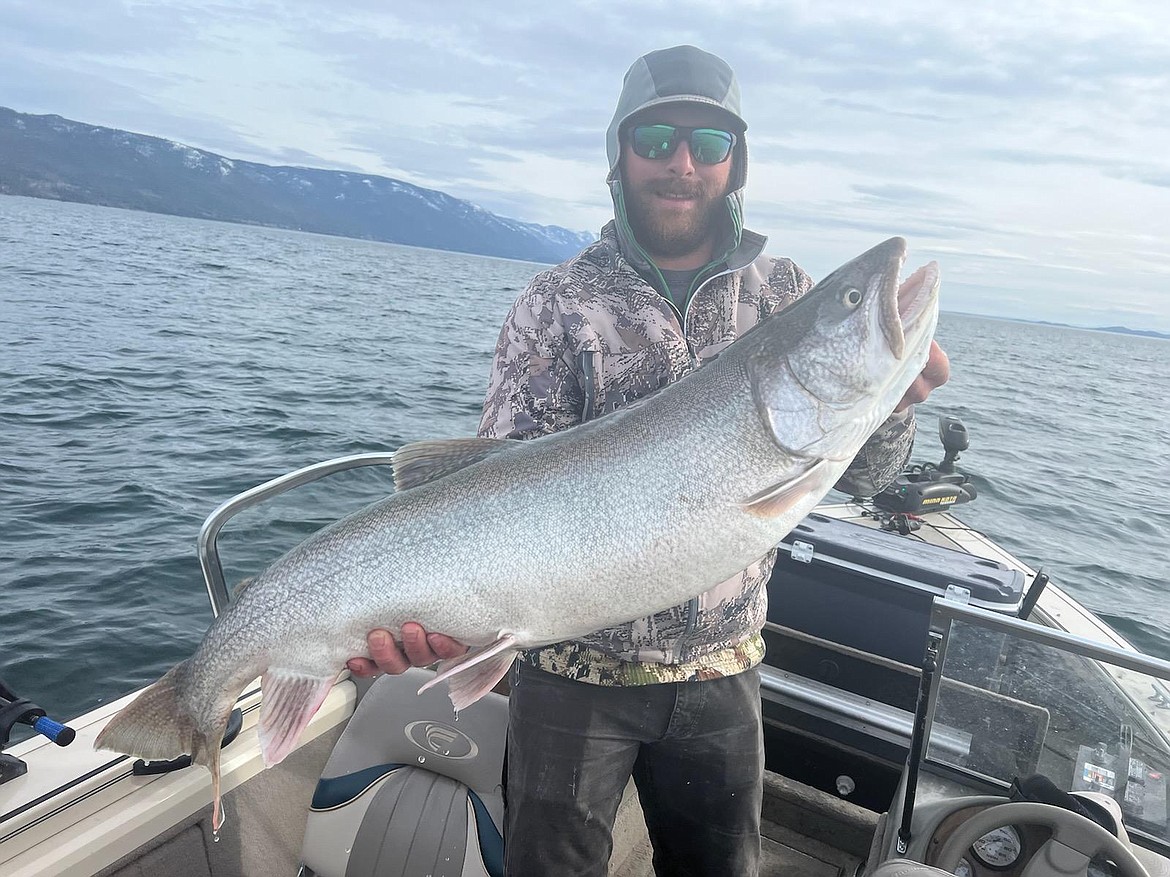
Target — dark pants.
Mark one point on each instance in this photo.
(696, 753)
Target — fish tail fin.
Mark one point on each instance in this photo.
(157, 725)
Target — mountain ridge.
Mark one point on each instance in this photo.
(49, 156)
(1116, 330)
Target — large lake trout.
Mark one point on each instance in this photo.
(506, 545)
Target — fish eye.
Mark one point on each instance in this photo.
(853, 296)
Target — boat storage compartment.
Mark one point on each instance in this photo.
(871, 590)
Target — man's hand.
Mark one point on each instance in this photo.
(418, 649)
(936, 373)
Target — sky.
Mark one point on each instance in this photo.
(1025, 147)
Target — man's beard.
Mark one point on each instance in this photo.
(671, 236)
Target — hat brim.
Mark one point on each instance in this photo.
(646, 110)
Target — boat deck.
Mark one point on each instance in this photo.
(804, 832)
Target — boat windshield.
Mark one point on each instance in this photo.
(1013, 699)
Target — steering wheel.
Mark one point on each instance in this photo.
(1074, 841)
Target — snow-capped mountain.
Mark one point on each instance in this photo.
(52, 157)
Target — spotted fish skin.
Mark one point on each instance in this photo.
(507, 545)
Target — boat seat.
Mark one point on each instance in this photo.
(410, 788)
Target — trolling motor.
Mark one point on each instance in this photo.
(927, 487)
(15, 709)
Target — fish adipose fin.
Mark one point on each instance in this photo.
(420, 462)
(774, 501)
(476, 673)
(289, 701)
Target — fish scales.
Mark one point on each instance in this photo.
(518, 544)
(551, 518)
(499, 536)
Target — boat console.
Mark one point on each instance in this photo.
(848, 611)
(1067, 776)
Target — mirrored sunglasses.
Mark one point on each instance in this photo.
(707, 145)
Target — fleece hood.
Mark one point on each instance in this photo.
(687, 75)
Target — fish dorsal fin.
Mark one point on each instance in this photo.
(421, 462)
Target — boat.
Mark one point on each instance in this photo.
(931, 705)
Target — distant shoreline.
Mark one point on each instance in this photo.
(1115, 330)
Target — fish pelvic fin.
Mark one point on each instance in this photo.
(774, 501)
(472, 675)
(216, 807)
(289, 700)
(420, 462)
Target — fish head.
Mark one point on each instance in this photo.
(830, 368)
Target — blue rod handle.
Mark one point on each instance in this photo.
(60, 734)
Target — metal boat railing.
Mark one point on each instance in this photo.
(849, 710)
(217, 589)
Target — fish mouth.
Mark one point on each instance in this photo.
(903, 313)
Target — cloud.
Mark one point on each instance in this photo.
(96, 28)
(1019, 145)
(893, 193)
(1151, 174)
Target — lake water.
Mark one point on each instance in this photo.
(153, 366)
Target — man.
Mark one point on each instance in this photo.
(672, 700)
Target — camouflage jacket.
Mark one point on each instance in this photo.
(592, 335)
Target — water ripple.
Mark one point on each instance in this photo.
(154, 366)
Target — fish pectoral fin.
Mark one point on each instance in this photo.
(779, 498)
(420, 462)
(288, 701)
(474, 674)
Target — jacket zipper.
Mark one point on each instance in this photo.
(682, 315)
